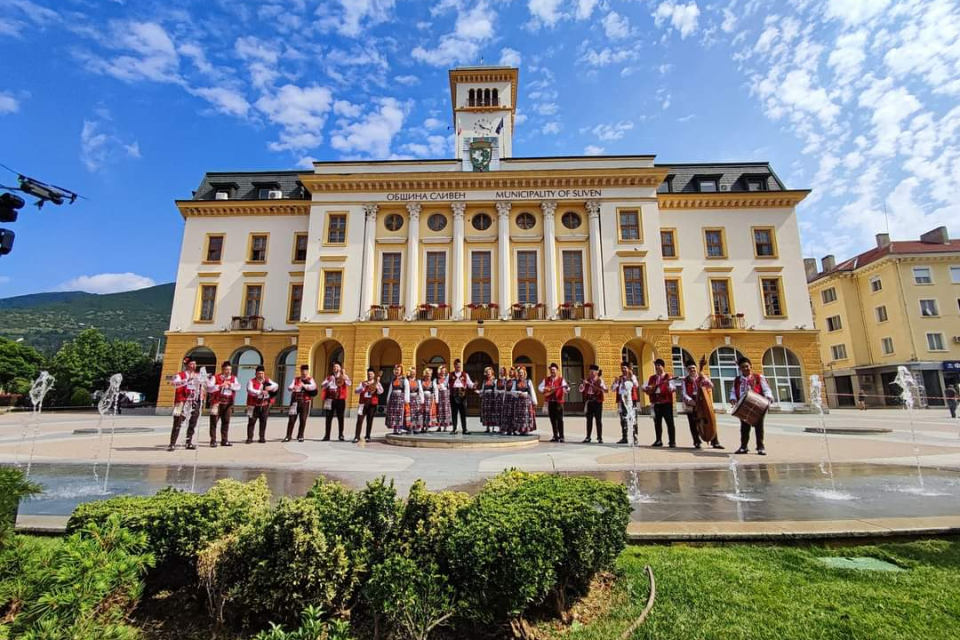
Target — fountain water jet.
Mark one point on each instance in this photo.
(38, 391)
(908, 395)
(200, 390)
(108, 403)
(633, 489)
(826, 465)
(737, 495)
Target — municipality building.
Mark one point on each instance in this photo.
(495, 260)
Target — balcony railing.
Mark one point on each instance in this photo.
(727, 321)
(528, 311)
(386, 312)
(246, 323)
(487, 311)
(433, 312)
(575, 311)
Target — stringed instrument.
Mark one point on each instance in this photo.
(706, 417)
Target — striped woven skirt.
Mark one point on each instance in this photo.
(488, 410)
(416, 412)
(524, 418)
(428, 416)
(443, 408)
(396, 417)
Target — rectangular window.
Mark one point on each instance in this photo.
(772, 298)
(214, 248)
(929, 308)
(707, 185)
(881, 313)
(527, 277)
(834, 324)
(300, 247)
(336, 228)
(629, 224)
(436, 277)
(634, 291)
(668, 243)
(839, 351)
(258, 247)
(296, 303)
(955, 275)
(887, 346)
(208, 301)
(828, 295)
(922, 275)
(876, 284)
(935, 342)
(764, 243)
(674, 302)
(720, 295)
(756, 184)
(332, 288)
(573, 277)
(252, 299)
(390, 279)
(716, 247)
(480, 277)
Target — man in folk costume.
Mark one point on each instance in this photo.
(369, 391)
(627, 387)
(302, 390)
(222, 390)
(186, 403)
(593, 389)
(750, 381)
(336, 388)
(554, 389)
(693, 383)
(260, 394)
(460, 383)
(660, 390)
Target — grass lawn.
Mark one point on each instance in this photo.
(756, 592)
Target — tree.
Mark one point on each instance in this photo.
(18, 361)
(88, 361)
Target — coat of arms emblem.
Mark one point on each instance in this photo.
(481, 152)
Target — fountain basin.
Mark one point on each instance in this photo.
(848, 430)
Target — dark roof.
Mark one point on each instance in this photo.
(732, 176)
(902, 247)
(246, 184)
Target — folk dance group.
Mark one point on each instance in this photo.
(508, 402)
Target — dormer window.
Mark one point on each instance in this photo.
(756, 184)
(269, 194)
(666, 186)
(223, 195)
(224, 190)
(708, 185)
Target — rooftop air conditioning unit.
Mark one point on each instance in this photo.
(956, 339)
(275, 194)
(222, 195)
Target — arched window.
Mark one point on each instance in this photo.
(781, 367)
(486, 97)
(471, 98)
(204, 357)
(286, 372)
(723, 370)
(496, 98)
(245, 363)
(680, 358)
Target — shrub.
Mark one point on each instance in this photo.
(14, 486)
(312, 627)
(80, 398)
(82, 587)
(428, 518)
(414, 595)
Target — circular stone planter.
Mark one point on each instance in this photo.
(459, 441)
(849, 430)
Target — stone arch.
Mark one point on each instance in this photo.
(723, 370)
(245, 361)
(783, 370)
(325, 354)
(531, 354)
(576, 356)
(286, 368)
(205, 357)
(382, 356)
(432, 352)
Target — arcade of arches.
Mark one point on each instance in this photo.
(786, 360)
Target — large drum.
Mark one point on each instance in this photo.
(751, 407)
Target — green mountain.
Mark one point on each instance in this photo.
(47, 320)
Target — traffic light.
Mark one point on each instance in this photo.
(9, 203)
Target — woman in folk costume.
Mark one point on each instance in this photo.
(398, 401)
(508, 413)
(500, 396)
(429, 387)
(416, 401)
(524, 415)
(443, 398)
(488, 401)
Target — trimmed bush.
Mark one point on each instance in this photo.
(81, 398)
(414, 595)
(428, 519)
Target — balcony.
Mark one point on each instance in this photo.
(246, 323)
(386, 312)
(483, 311)
(727, 321)
(528, 311)
(433, 312)
(575, 311)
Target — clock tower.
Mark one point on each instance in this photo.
(484, 108)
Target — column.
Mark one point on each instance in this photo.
(457, 268)
(369, 255)
(413, 259)
(503, 269)
(550, 257)
(596, 260)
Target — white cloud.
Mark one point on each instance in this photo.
(546, 108)
(585, 9)
(434, 123)
(306, 162)
(729, 21)
(853, 12)
(347, 109)
(473, 27)
(301, 111)
(407, 80)
(475, 24)
(687, 118)
(373, 134)
(226, 101)
(607, 56)
(612, 131)
(547, 12)
(355, 16)
(682, 17)
(593, 150)
(99, 145)
(509, 57)
(8, 104)
(450, 51)
(107, 283)
(550, 128)
(848, 56)
(616, 26)
(149, 54)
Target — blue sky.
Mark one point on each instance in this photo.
(128, 102)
